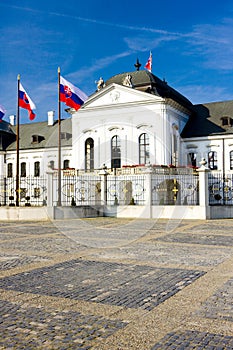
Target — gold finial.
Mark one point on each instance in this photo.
(18, 77)
(59, 70)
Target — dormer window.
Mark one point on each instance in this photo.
(37, 138)
(65, 135)
(226, 121)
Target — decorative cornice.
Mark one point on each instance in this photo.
(139, 126)
(115, 127)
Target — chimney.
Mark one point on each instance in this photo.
(51, 118)
(12, 119)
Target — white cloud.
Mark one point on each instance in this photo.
(203, 94)
(97, 65)
(214, 43)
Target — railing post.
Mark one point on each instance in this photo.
(203, 185)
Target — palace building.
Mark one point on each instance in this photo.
(132, 119)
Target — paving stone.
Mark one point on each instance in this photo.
(207, 239)
(166, 253)
(121, 285)
(11, 261)
(56, 326)
(220, 304)
(102, 280)
(55, 244)
(193, 340)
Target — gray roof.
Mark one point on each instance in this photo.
(6, 135)
(5, 127)
(207, 119)
(47, 135)
(148, 82)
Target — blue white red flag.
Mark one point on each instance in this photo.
(2, 112)
(148, 65)
(71, 95)
(26, 103)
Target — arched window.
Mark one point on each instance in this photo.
(115, 152)
(23, 169)
(212, 160)
(9, 170)
(231, 160)
(89, 155)
(37, 169)
(51, 164)
(192, 159)
(174, 145)
(144, 149)
(66, 164)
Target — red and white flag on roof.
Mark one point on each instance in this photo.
(148, 65)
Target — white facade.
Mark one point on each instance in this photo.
(45, 158)
(127, 113)
(203, 147)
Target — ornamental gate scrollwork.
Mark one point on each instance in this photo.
(175, 190)
(81, 190)
(220, 189)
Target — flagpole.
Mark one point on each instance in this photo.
(17, 144)
(59, 140)
(151, 60)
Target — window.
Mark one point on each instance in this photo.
(23, 169)
(115, 152)
(66, 164)
(212, 160)
(192, 159)
(89, 155)
(231, 160)
(9, 170)
(174, 147)
(37, 138)
(226, 121)
(144, 149)
(51, 164)
(37, 169)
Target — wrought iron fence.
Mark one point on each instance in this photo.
(126, 190)
(220, 189)
(175, 189)
(32, 191)
(78, 190)
(121, 190)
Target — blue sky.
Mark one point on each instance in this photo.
(191, 42)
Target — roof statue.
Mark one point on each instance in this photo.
(100, 83)
(127, 81)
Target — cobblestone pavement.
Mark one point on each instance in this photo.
(120, 284)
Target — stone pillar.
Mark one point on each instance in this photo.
(50, 188)
(103, 173)
(203, 186)
(148, 191)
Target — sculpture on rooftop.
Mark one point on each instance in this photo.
(100, 83)
(127, 81)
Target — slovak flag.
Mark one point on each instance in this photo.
(2, 112)
(71, 95)
(148, 65)
(25, 102)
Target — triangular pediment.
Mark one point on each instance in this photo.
(115, 94)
